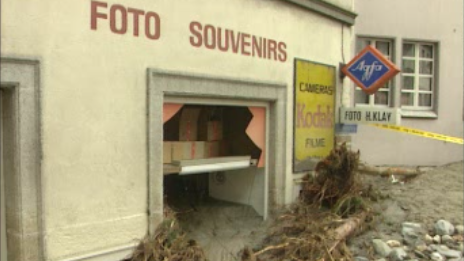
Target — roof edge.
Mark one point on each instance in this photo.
(327, 9)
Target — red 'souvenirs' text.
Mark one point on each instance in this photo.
(226, 40)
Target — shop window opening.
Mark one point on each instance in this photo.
(214, 169)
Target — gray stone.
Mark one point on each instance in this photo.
(446, 239)
(461, 247)
(412, 233)
(360, 258)
(421, 248)
(428, 239)
(443, 227)
(450, 253)
(381, 259)
(437, 239)
(412, 225)
(439, 247)
(420, 254)
(445, 251)
(456, 259)
(435, 256)
(398, 254)
(459, 229)
(381, 248)
(393, 243)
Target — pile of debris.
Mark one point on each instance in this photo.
(332, 206)
(168, 243)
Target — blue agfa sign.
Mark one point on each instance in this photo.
(370, 70)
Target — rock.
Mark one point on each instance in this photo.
(360, 258)
(381, 259)
(428, 239)
(456, 259)
(461, 247)
(412, 225)
(412, 233)
(439, 247)
(459, 229)
(421, 248)
(445, 251)
(437, 239)
(431, 247)
(393, 243)
(435, 256)
(450, 253)
(398, 254)
(446, 239)
(420, 254)
(381, 248)
(443, 227)
(458, 238)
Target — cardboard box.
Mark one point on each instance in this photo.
(167, 152)
(210, 131)
(184, 150)
(188, 125)
(212, 149)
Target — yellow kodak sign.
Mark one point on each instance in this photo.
(314, 117)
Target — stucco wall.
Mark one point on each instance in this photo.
(94, 169)
(348, 5)
(423, 20)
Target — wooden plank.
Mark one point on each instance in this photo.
(170, 169)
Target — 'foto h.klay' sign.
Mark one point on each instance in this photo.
(370, 70)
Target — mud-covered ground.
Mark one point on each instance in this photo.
(223, 229)
(436, 194)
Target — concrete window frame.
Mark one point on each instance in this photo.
(20, 84)
(417, 111)
(162, 83)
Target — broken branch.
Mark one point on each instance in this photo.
(369, 170)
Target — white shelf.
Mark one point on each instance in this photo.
(196, 166)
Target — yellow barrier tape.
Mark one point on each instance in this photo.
(421, 133)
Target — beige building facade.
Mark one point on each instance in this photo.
(84, 85)
(425, 40)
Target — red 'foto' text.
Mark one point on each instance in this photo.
(118, 19)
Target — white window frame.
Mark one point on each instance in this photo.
(390, 83)
(417, 75)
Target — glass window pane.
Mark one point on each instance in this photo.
(383, 47)
(409, 66)
(408, 83)
(360, 44)
(425, 67)
(381, 98)
(425, 100)
(426, 51)
(408, 50)
(425, 83)
(361, 97)
(386, 86)
(407, 99)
